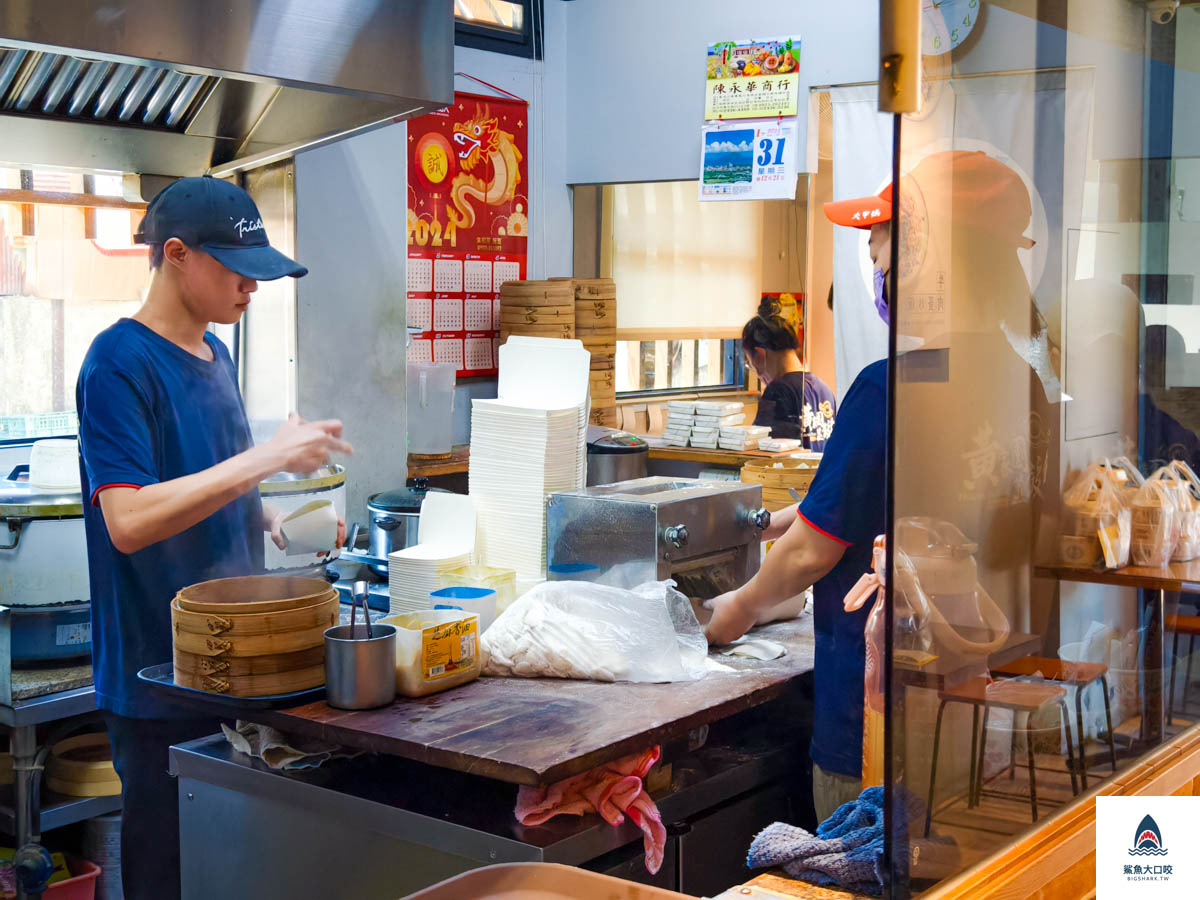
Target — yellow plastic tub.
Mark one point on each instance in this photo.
(435, 650)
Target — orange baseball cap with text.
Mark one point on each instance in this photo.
(983, 192)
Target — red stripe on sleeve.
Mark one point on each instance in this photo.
(832, 537)
(105, 487)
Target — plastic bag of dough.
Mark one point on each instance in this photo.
(1096, 523)
(1155, 523)
(576, 629)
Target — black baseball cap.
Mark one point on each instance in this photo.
(221, 219)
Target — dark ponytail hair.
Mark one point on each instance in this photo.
(769, 329)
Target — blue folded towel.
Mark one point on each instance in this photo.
(847, 849)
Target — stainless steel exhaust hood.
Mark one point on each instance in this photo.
(180, 87)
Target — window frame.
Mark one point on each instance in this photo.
(731, 351)
(527, 44)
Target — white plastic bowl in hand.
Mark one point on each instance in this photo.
(311, 529)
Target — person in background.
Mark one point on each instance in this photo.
(796, 404)
(171, 477)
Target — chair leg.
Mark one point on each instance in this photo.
(1112, 747)
(1187, 675)
(937, 736)
(974, 747)
(1079, 724)
(1171, 691)
(1066, 720)
(982, 753)
(1032, 776)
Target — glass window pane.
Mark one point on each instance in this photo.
(499, 14)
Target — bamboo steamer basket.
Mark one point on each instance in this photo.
(595, 289)
(595, 314)
(253, 594)
(603, 336)
(536, 293)
(563, 332)
(778, 475)
(252, 645)
(82, 766)
(606, 416)
(537, 315)
(237, 666)
(255, 685)
(325, 612)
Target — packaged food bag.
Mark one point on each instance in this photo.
(1096, 526)
(1186, 489)
(1155, 521)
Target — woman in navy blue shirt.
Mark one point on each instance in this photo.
(795, 404)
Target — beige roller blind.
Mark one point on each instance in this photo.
(682, 264)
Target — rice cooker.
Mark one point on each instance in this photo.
(614, 456)
(44, 570)
(294, 496)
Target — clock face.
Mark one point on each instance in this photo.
(947, 23)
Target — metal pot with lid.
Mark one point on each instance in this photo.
(614, 456)
(395, 516)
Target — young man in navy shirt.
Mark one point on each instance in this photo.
(171, 473)
(826, 542)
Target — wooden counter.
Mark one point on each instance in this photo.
(455, 464)
(537, 731)
(729, 458)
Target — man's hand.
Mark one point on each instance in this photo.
(275, 526)
(300, 446)
(730, 619)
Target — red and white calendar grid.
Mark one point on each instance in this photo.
(454, 301)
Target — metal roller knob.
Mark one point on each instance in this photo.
(677, 535)
(760, 518)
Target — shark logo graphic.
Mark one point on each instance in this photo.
(1147, 839)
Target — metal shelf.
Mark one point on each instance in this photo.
(50, 708)
(59, 810)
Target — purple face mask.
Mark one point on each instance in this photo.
(881, 304)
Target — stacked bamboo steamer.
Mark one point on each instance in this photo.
(596, 326)
(778, 475)
(536, 309)
(253, 636)
(82, 766)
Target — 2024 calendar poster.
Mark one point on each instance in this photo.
(468, 227)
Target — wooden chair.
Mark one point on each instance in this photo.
(1189, 625)
(1017, 696)
(1071, 674)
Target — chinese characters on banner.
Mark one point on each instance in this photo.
(748, 161)
(468, 227)
(752, 80)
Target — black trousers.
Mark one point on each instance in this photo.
(150, 799)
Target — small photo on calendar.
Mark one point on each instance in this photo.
(448, 350)
(447, 314)
(448, 276)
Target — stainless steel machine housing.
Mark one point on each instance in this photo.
(655, 528)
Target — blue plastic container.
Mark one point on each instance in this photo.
(481, 601)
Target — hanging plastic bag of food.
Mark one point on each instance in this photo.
(1155, 520)
(1096, 520)
(1186, 488)
(910, 646)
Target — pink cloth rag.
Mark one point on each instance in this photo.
(612, 790)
